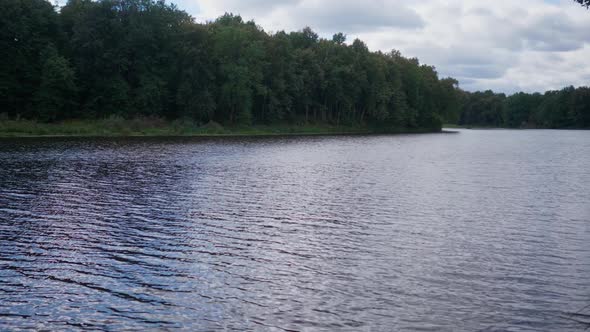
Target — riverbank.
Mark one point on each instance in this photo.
(154, 127)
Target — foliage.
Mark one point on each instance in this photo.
(127, 59)
(567, 108)
(145, 58)
(56, 95)
(27, 27)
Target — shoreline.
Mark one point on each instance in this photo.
(230, 135)
(475, 127)
(157, 128)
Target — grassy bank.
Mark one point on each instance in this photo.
(116, 127)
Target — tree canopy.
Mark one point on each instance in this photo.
(566, 108)
(129, 58)
(146, 58)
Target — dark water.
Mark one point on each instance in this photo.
(482, 230)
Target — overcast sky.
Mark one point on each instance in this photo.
(504, 45)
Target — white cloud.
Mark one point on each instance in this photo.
(506, 45)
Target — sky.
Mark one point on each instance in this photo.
(503, 45)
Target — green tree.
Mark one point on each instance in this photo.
(483, 109)
(239, 51)
(276, 102)
(27, 27)
(582, 107)
(56, 97)
(148, 58)
(450, 100)
(194, 88)
(339, 38)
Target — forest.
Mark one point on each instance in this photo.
(145, 58)
(133, 59)
(563, 109)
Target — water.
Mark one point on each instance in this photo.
(481, 230)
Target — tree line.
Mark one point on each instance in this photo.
(566, 108)
(140, 58)
(146, 58)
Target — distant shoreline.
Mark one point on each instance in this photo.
(451, 126)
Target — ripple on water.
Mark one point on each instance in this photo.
(484, 230)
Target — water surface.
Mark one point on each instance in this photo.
(481, 230)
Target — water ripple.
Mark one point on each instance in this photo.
(481, 231)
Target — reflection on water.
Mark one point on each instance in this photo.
(482, 230)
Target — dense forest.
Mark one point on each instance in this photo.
(148, 59)
(145, 58)
(567, 108)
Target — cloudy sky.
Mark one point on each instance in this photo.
(504, 45)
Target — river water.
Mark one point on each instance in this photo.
(480, 230)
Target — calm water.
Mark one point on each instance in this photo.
(481, 230)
